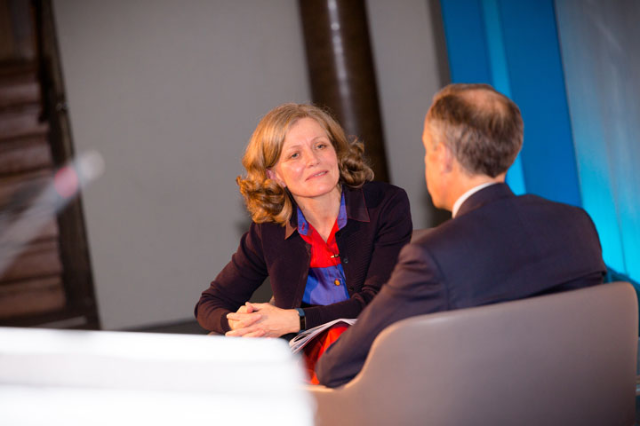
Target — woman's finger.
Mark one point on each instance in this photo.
(243, 321)
(243, 331)
(238, 317)
(257, 333)
(254, 318)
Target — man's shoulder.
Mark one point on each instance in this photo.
(539, 211)
(537, 205)
(436, 237)
(536, 199)
(429, 242)
(523, 203)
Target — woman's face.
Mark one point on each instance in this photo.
(308, 164)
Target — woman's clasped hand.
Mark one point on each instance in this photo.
(262, 320)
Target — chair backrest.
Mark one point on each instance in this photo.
(562, 359)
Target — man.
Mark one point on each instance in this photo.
(498, 247)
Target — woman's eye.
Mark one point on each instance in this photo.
(321, 145)
(294, 155)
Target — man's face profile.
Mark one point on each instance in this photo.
(431, 164)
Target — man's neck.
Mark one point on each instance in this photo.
(464, 197)
(465, 186)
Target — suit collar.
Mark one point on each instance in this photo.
(354, 203)
(484, 196)
(460, 201)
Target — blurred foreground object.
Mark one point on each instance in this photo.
(30, 264)
(57, 377)
(18, 227)
(50, 284)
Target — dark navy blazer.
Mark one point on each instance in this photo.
(498, 248)
(378, 226)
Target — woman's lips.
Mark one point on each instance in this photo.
(316, 175)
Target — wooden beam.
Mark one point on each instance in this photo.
(342, 73)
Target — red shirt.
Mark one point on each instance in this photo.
(326, 283)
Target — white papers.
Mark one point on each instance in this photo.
(301, 340)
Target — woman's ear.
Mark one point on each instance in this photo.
(273, 176)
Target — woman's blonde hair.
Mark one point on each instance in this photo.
(266, 200)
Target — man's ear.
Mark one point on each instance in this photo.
(446, 158)
(274, 176)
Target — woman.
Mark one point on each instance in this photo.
(326, 235)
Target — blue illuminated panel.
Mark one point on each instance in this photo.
(513, 46)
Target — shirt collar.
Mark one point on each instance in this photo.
(466, 195)
(354, 206)
(303, 225)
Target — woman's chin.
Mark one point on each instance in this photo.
(318, 191)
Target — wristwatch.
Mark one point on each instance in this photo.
(303, 319)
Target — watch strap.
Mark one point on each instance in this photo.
(303, 319)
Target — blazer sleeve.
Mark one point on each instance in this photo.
(393, 229)
(235, 284)
(415, 288)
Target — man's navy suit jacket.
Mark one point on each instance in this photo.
(498, 248)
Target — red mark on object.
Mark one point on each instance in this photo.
(66, 182)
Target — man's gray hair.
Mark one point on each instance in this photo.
(482, 127)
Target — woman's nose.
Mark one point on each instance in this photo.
(311, 158)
